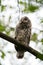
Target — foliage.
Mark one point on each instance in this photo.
(31, 8)
(3, 54)
(39, 1)
(2, 28)
(3, 7)
(28, 7)
(42, 40)
(0, 2)
(34, 37)
(22, 3)
(41, 20)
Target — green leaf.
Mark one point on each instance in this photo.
(2, 28)
(22, 3)
(41, 31)
(12, 29)
(7, 32)
(39, 1)
(42, 41)
(0, 2)
(42, 21)
(34, 37)
(3, 7)
(31, 8)
(3, 55)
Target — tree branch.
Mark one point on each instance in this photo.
(27, 48)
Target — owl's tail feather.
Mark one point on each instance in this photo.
(20, 54)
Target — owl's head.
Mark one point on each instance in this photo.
(24, 19)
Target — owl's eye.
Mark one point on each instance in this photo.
(21, 22)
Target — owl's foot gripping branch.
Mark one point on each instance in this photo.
(27, 48)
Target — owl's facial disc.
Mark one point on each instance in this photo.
(24, 20)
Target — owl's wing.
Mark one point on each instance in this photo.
(17, 31)
(28, 35)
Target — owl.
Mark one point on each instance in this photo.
(22, 35)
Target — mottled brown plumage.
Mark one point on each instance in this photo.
(22, 34)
